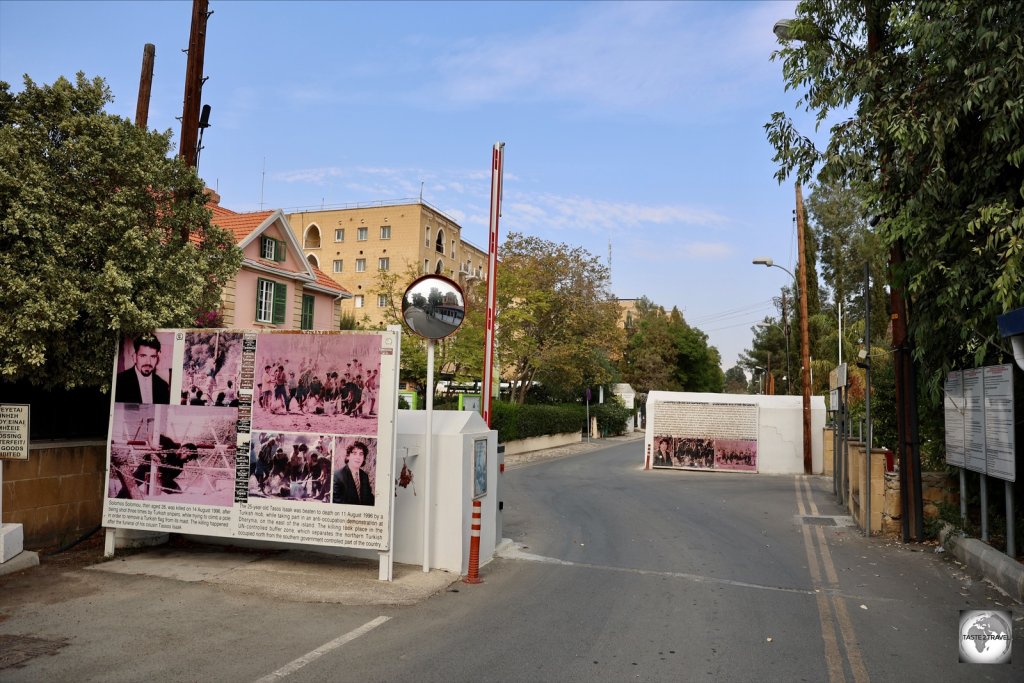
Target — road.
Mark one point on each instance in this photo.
(617, 575)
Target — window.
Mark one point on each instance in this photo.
(360, 265)
(453, 249)
(361, 234)
(271, 249)
(427, 242)
(312, 240)
(426, 265)
(306, 322)
(440, 267)
(271, 299)
(384, 263)
(358, 300)
(338, 265)
(313, 261)
(339, 234)
(385, 232)
(382, 300)
(439, 244)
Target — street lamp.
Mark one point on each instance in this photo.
(769, 263)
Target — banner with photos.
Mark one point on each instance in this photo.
(278, 436)
(693, 435)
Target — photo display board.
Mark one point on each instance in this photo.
(705, 436)
(979, 416)
(281, 436)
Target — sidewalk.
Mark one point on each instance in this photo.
(296, 575)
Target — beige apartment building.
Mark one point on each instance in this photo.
(354, 242)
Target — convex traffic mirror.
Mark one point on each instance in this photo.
(433, 306)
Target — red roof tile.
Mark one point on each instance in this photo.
(240, 225)
(325, 281)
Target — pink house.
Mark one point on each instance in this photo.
(276, 287)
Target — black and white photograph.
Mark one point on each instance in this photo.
(173, 454)
(291, 466)
(211, 368)
(317, 383)
(355, 471)
(144, 369)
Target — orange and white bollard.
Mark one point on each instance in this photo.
(474, 547)
(647, 458)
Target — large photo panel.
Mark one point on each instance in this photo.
(280, 436)
(695, 435)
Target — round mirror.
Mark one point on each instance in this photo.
(433, 306)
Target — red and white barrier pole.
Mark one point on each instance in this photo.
(474, 547)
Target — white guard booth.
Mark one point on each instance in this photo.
(779, 425)
(464, 467)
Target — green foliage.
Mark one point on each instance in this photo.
(520, 421)
(347, 321)
(735, 380)
(613, 417)
(934, 147)
(101, 233)
(557, 319)
(664, 353)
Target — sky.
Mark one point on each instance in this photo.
(634, 130)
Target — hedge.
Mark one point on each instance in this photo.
(513, 421)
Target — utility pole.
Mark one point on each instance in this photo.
(194, 83)
(805, 343)
(145, 86)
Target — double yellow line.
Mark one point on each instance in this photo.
(832, 611)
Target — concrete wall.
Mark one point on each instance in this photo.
(57, 494)
(537, 443)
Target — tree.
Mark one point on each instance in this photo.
(557, 319)
(102, 232)
(462, 351)
(664, 353)
(735, 380)
(932, 147)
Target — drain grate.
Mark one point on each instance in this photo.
(16, 651)
(823, 520)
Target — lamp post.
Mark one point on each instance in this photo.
(805, 344)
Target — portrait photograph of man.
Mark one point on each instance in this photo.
(143, 378)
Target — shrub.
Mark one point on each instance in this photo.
(612, 417)
(513, 421)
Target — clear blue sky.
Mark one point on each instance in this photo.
(638, 125)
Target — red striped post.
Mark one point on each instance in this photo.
(647, 458)
(474, 547)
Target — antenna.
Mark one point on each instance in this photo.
(263, 181)
(421, 192)
(609, 255)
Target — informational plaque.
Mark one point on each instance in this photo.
(701, 435)
(14, 431)
(954, 414)
(999, 423)
(974, 420)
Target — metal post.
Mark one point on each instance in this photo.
(963, 496)
(497, 166)
(867, 388)
(427, 446)
(1011, 540)
(984, 507)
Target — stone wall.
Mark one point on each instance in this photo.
(57, 494)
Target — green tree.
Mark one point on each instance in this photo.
(735, 380)
(102, 232)
(664, 353)
(557, 319)
(932, 146)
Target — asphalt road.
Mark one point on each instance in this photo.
(617, 575)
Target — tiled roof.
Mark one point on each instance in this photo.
(240, 225)
(324, 280)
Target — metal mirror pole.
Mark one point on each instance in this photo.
(427, 446)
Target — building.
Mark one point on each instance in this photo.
(276, 287)
(354, 243)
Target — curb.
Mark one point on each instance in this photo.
(1004, 572)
